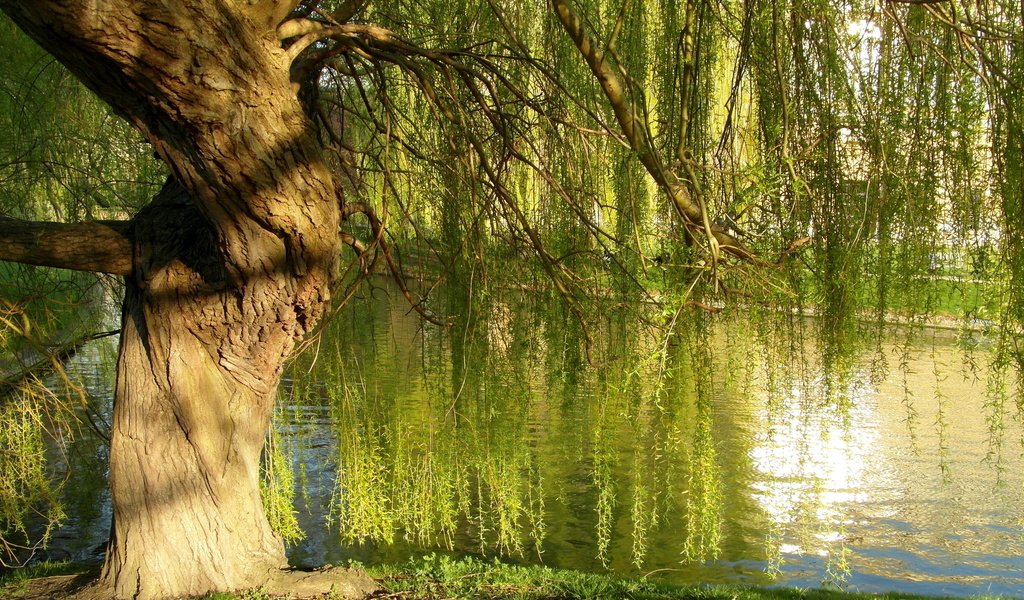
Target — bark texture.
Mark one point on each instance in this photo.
(98, 247)
(232, 264)
(190, 415)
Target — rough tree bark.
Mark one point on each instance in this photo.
(232, 264)
(192, 405)
(62, 244)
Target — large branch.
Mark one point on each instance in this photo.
(269, 13)
(691, 211)
(96, 246)
(632, 127)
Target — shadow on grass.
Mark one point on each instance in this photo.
(47, 580)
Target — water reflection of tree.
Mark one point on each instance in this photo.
(499, 437)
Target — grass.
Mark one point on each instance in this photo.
(437, 577)
(16, 580)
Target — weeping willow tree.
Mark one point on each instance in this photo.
(856, 159)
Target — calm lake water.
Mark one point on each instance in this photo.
(726, 456)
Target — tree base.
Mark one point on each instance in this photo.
(338, 582)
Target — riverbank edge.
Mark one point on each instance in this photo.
(435, 577)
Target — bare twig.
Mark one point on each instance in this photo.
(377, 228)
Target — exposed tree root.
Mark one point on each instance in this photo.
(334, 582)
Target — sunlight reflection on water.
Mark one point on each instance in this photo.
(903, 498)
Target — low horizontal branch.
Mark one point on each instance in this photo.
(95, 246)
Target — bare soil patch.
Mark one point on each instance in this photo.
(336, 582)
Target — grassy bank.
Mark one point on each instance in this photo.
(436, 577)
(441, 577)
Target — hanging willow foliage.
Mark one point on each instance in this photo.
(855, 157)
(856, 160)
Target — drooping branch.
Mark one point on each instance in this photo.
(466, 75)
(353, 208)
(615, 91)
(96, 246)
(43, 358)
(634, 128)
(313, 31)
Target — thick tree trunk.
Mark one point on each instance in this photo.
(190, 416)
(233, 264)
(184, 466)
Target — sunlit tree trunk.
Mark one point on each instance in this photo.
(231, 264)
(191, 411)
